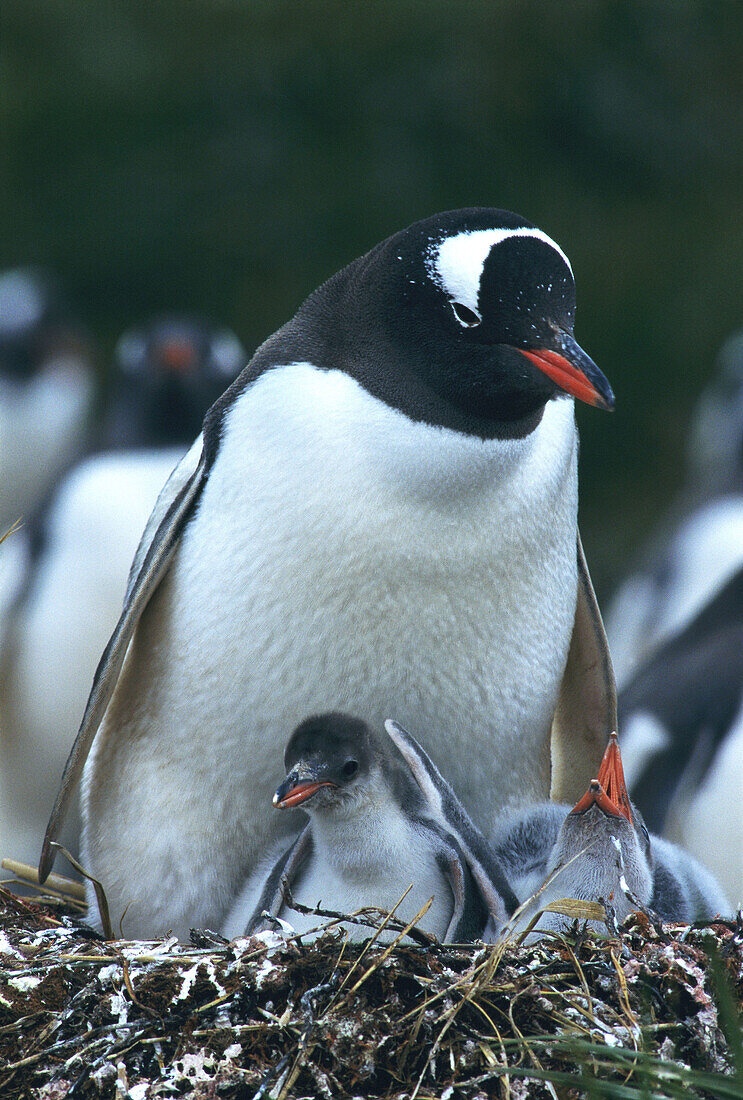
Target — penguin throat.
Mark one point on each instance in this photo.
(482, 416)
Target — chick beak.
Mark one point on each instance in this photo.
(609, 791)
(297, 788)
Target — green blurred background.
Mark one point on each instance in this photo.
(226, 156)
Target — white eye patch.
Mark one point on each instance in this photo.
(467, 318)
(456, 263)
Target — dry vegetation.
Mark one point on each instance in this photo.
(649, 1013)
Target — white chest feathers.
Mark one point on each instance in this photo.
(385, 863)
(345, 557)
(365, 852)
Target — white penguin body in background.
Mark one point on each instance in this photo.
(56, 626)
(47, 386)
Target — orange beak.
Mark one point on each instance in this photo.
(609, 791)
(178, 355)
(297, 793)
(572, 370)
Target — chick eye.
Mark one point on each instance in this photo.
(467, 317)
(349, 769)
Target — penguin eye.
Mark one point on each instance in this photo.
(349, 769)
(467, 317)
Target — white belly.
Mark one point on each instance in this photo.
(341, 557)
(370, 856)
(322, 888)
(405, 882)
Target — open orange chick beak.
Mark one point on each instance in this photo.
(609, 790)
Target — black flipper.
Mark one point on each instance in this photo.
(286, 867)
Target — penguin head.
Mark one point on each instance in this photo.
(166, 375)
(36, 325)
(466, 320)
(607, 841)
(329, 760)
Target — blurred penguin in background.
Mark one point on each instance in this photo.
(682, 713)
(700, 545)
(676, 637)
(47, 386)
(167, 373)
(715, 448)
(78, 550)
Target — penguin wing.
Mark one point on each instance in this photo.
(184, 471)
(682, 888)
(586, 711)
(472, 916)
(15, 573)
(271, 899)
(438, 795)
(156, 549)
(454, 825)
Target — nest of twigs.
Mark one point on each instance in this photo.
(652, 1012)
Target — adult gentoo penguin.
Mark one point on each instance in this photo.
(376, 836)
(380, 518)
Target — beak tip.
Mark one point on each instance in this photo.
(603, 395)
(572, 371)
